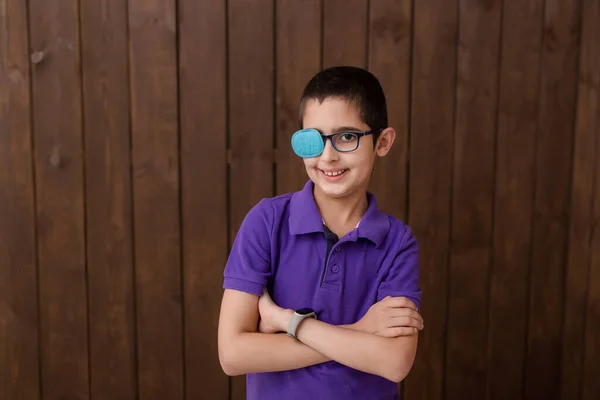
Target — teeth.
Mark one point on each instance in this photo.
(336, 173)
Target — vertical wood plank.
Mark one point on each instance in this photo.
(432, 120)
(345, 32)
(251, 115)
(589, 125)
(19, 351)
(591, 362)
(202, 89)
(472, 197)
(513, 204)
(587, 132)
(558, 77)
(57, 127)
(389, 60)
(298, 41)
(108, 199)
(153, 70)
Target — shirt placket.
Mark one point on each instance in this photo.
(332, 270)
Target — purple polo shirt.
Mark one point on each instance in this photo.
(281, 245)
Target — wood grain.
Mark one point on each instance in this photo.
(59, 172)
(155, 162)
(558, 78)
(513, 203)
(19, 346)
(203, 107)
(430, 180)
(472, 197)
(588, 129)
(345, 25)
(108, 199)
(581, 222)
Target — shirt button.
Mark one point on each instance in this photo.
(335, 269)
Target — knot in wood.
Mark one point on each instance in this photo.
(55, 159)
(37, 57)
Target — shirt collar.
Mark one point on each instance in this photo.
(304, 214)
(305, 217)
(375, 224)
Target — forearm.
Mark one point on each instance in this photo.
(252, 352)
(391, 358)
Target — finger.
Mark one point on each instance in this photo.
(406, 322)
(403, 312)
(397, 332)
(385, 300)
(401, 302)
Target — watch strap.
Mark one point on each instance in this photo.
(295, 322)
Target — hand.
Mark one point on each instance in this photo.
(273, 319)
(391, 317)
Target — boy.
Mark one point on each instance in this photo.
(324, 264)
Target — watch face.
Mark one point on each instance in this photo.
(304, 311)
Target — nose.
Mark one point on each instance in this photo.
(329, 152)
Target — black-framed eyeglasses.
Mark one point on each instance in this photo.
(310, 142)
(347, 141)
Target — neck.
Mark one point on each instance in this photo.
(341, 214)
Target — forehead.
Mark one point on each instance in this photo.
(331, 114)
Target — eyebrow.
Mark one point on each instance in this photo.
(347, 128)
(341, 129)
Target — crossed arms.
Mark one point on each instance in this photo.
(383, 342)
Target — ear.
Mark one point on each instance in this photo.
(385, 141)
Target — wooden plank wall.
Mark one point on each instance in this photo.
(136, 134)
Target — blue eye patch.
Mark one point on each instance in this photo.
(308, 143)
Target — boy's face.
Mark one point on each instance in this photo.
(352, 170)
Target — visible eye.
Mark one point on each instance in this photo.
(347, 137)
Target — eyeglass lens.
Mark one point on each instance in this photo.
(345, 141)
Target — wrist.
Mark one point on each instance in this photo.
(284, 319)
(357, 326)
(296, 318)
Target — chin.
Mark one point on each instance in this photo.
(334, 192)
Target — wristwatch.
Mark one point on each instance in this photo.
(299, 316)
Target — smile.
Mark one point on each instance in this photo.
(334, 173)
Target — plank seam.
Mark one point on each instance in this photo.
(136, 354)
(85, 192)
(274, 99)
(569, 204)
(35, 202)
(594, 231)
(491, 262)
(367, 33)
(408, 132)
(180, 199)
(228, 154)
(322, 32)
(411, 58)
(450, 204)
(533, 204)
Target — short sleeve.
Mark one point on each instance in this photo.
(403, 277)
(248, 267)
